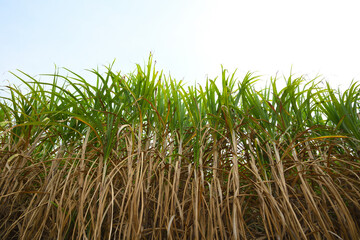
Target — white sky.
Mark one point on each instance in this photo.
(189, 38)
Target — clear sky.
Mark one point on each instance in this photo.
(189, 38)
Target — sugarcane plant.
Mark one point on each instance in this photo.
(142, 155)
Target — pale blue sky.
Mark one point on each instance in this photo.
(189, 38)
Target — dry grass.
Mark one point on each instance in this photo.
(304, 192)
